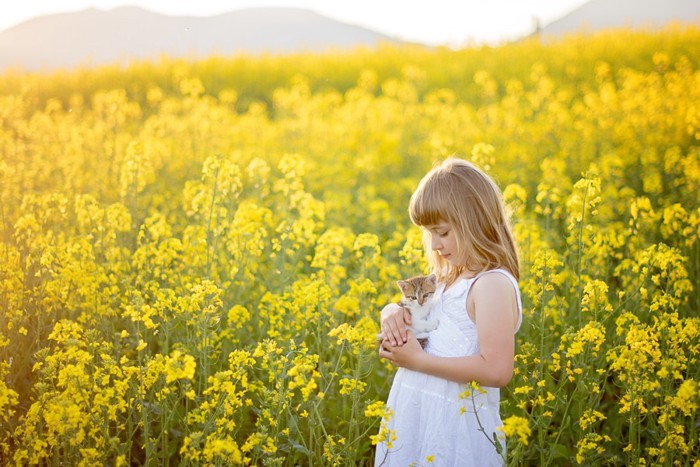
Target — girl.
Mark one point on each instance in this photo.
(445, 399)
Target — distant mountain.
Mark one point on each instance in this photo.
(606, 14)
(97, 37)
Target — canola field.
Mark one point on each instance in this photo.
(194, 254)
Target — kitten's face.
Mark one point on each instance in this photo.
(418, 289)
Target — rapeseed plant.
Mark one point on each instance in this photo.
(193, 255)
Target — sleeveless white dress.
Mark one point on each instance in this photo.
(434, 419)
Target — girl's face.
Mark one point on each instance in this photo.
(443, 240)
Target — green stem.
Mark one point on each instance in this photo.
(211, 215)
(495, 444)
(556, 440)
(579, 286)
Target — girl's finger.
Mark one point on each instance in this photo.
(383, 353)
(399, 335)
(401, 325)
(393, 324)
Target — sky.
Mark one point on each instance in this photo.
(432, 22)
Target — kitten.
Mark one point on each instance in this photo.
(417, 298)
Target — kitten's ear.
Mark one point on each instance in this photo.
(432, 279)
(403, 285)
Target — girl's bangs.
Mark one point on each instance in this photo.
(424, 208)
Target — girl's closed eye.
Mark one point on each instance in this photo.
(439, 233)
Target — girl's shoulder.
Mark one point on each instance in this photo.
(498, 286)
(494, 281)
(498, 275)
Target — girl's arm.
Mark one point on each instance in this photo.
(496, 313)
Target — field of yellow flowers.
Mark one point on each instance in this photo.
(193, 255)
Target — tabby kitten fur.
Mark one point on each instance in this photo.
(417, 296)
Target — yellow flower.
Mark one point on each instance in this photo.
(517, 426)
(224, 451)
(687, 397)
(346, 332)
(590, 417)
(592, 333)
(595, 297)
(367, 244)
(477, 388)
(237, 316)
(348, 386)
(375, 409)
(179, 366)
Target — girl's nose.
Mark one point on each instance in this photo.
(435, 244)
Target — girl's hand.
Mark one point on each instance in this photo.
(408, 355)
(394, 320)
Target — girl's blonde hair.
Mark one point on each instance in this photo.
(458, 193)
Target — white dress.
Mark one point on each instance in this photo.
(434, 419)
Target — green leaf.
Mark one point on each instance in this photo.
(560, 451)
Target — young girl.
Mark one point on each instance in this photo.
(445, 399)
